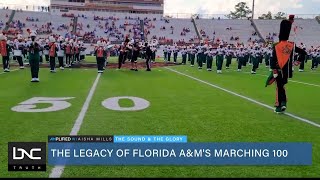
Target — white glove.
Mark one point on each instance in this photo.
(275, 75)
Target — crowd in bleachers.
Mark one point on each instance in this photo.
(117, 28)
(70, 15)
(271, 37)
(44, 29)
(32, 19)
(92, 26)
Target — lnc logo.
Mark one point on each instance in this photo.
(27, 156)
(24, 152)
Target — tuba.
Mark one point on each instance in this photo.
(153, 42)
(141, 44)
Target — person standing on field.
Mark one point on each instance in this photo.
(34, 57)
(53, 48)
(100, 53)
(5, 50)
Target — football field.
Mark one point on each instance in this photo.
(205, 106)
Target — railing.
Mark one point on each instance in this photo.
(257, 30)
(26, 7)
(224, 16)
(9, 20)
(43, 7)
(196, 28)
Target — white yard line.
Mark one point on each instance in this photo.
(246, 98)
(58, 170)
(309, 84)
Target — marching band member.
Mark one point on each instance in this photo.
(184, 55)
(255, 59)
(34, 57)
(314, 55)
(41, 45)
(108, 47)
(148, 56)
(105, 45)
(165, 53)
(209, 57)
(301, 67)
(142, 52)
(200, 55)
(72, 44)
(68, 49)
(188, 53)
(282, 62)
(18, 48)
(77, 51)
(5, 50)
(318, 59)
(135, 49)
(60, 53)
(240, 57)
(46, 50)
(229, 55)
(247, 56)
(175, 54)
(169, 51)
(82, 51)
(268, 54)
(53, 48)
(100, 54)
(193, 52)
(122, 54)
(220, 57)
(129, 50)
(25, 51)
(260, 57)
(154, 52)
(250, 52)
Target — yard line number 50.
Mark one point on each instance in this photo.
(60, 103)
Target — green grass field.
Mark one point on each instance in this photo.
(178, 105)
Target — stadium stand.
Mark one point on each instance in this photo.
(92, 26)
(174, 30)
(307, 30)
(230, 31)
(4, 17)
(42, 22)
